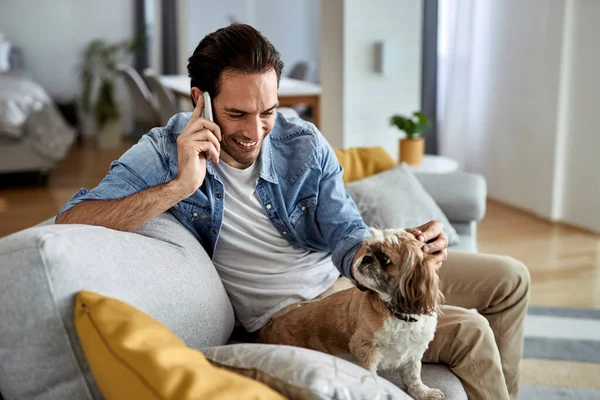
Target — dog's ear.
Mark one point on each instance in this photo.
(419, 289)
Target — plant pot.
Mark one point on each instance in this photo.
(411, 151)
(87, 125)
(111, 134)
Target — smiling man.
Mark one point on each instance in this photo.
(264, 196)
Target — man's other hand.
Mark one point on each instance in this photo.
(434, 240)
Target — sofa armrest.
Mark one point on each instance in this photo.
(161, 270)
(460, 195)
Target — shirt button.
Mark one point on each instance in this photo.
(219, 196)
(214, 232)
(268, 206)
(303, 208)
(195, 214)
(284, 233)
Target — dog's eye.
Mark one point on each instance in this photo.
(385, 260)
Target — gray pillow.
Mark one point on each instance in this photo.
(326, 376)
(396, 199)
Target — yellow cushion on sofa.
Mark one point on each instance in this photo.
(133, 356)
(360, 162)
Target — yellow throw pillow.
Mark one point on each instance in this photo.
(360, 162)
(133, 356)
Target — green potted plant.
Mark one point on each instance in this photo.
(412, 146)
(98, 75)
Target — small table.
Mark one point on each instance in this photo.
(436, 164)
(292, 92)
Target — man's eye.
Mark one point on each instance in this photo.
(236, 116)
(268, 113)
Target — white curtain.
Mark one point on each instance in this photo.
(455, 58)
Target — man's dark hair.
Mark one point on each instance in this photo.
(238, 47)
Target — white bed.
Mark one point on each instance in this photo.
(33, 134)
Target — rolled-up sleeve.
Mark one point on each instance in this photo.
(142, 166)
(339, 220)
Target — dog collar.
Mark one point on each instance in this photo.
(399, 315)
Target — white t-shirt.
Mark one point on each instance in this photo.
(261, 271)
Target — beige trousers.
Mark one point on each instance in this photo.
(483, 348)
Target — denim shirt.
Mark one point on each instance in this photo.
(300, 188)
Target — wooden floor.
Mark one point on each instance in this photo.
(564, 261)
(22, 207)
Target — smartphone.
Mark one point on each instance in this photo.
(208, 111)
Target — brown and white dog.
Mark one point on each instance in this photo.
(386, 322)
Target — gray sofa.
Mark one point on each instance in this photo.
(163, 271)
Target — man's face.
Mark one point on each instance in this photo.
(245, 111)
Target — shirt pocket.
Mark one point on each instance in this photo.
(303, 208)
(193, 210)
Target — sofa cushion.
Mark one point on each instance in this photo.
(327, 376)
(162, 270)
(331, 377)
(360, 162)
(461, 195)
(436, 376)
(396, 199)
(133, 356)
(466, 243)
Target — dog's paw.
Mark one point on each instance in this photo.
(434, 394)
(425, 393)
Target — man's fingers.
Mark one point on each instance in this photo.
(441, 256)
(436, 246)
(413, 231)
(417, 233)
(440, 243)
(200, 124)
(203, 136)
(197, 110)
(209, 148)
(432, 231)
(203, 123)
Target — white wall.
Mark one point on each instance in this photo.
(53, 34)
(292, 26)
(581, 141)
(369, 99)
(206, 16)
(514, 99)
(332, 71)
(534, 95)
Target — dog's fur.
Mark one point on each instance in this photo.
(388, 323)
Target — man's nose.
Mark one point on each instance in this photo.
(254, 129)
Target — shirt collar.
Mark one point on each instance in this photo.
(267, 169)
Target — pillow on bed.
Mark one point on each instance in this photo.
(28, 113)
(4, 55)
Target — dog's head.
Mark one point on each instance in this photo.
(395, 267)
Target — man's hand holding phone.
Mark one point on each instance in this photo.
(200, 139)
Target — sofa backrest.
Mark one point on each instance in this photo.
(161, 269)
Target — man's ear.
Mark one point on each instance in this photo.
(195, 93)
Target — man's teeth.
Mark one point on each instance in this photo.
(249, 144)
